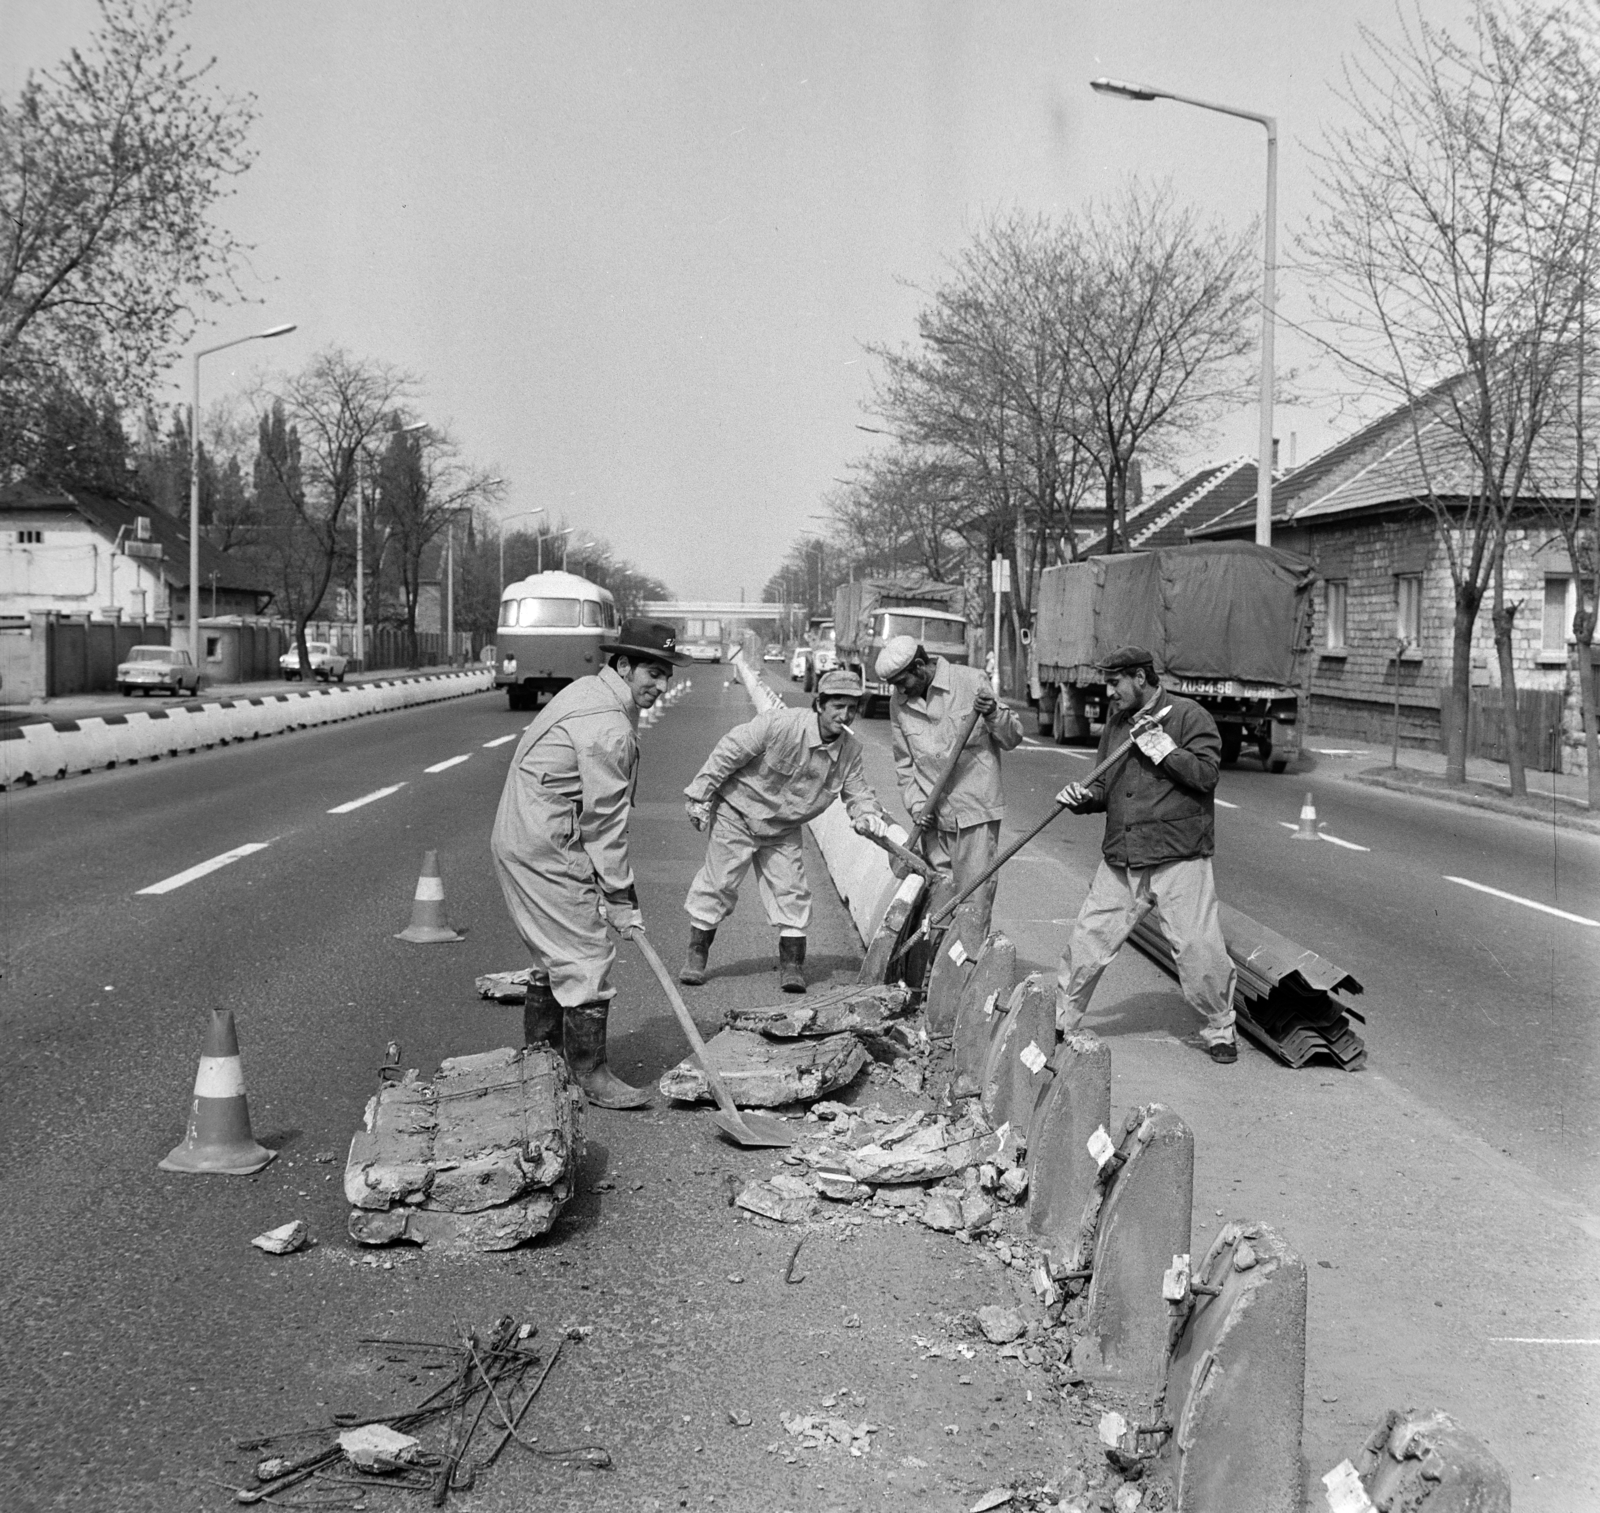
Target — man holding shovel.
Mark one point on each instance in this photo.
(761, 783)
(932, 713)
(560, 846)
(1157, 850)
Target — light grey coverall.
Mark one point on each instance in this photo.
(560, 839)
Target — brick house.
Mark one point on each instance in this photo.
(1358, 511)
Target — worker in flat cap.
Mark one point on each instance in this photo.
(931, 703)
(560, 846)
(1160, 835)
(761, 783)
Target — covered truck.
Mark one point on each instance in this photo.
(868, 613)
(1227, 623)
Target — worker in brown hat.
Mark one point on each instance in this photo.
(761, 783)
(1160, 835)
(560, 845)
(928, 710)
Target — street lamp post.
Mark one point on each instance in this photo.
(196, 650)
(565, 530)
(520, 515)
(450, 575)
(1269, 260)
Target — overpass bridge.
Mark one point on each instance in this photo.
(717, 609)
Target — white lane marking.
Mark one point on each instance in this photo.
(1527, 903)
(1339, 751)
(452, 762)
(367, 798)
(1224, 804)
(498, 741)
(1517, 1339)
(1332, 840)
(178, 879)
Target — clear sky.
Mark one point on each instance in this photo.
(633, 250)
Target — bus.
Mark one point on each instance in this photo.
(554, 627)
(701, 640)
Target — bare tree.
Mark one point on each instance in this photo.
(328, 415)
(1444, 228)
(111, 166)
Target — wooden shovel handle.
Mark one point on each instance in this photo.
(930, 810)
(719, 1089)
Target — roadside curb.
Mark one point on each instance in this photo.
(35, 752)
(1476, 801)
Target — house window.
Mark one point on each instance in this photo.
(1335, 594)
(213, 648)
(1560, 605)
(30, 538)
(1408, 608)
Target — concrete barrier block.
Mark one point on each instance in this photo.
(141, 737)
(186, 727)
(1062, 1174)
(1421, 1461)
(46, 755)
(952, 965)
(13, 756)
(877, 967)
(981, 1011)
(1236, 1386)
(1143, 1222)
(1018, 1069)
(89, 746)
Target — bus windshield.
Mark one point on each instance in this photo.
(515, 613)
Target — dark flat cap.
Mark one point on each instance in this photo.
(1125, 658)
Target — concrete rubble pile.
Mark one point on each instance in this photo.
(481, 1156)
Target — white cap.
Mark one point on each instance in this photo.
(897, 655)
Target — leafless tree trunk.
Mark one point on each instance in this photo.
(1504, 617)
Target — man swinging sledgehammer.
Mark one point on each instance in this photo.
(560, 846)
(761, 783)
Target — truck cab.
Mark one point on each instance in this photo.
(940, 633)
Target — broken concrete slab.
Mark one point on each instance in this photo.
(481, 1155)
(783, 1198)
(284, 1240)
(929, 1153)
(980, 1012)
(1001, 1325)
(1065, 1175)
(1019, 1068)
(1143, 1222)
(891, 931)
(763, 1073)
(1424, 1459)
(832, 1011)
(378, 1448)
(953, 964)
(942, 1212)
(1236, 1384)
(509, 987)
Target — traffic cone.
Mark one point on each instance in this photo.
(1308, 822)
(218, 1138)
(428, 925)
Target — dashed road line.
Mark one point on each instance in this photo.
(1332, 840)
(1223, 803)
(179, 879)
(499, 741)
(454, 761)
(1527, 903)
(1518, 1339)
(367, 798)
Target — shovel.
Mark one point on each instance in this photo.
(756, 1130)
(930, 810)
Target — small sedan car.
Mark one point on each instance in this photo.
(326, 664)
(773, 653)
(149, 668)
(800, 664)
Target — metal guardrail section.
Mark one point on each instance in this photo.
(1286, 1008)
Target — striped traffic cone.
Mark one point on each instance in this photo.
(428, 925)
(218, 1138)
(1308, 822)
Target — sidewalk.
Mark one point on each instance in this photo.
(1442, 1273)
(80, 705)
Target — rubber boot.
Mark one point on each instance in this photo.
(541, 1017)
(585, 1034)
(693, 971)
(791, 963)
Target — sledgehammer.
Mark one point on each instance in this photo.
(935, 921)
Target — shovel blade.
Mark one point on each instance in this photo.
(755, 1130)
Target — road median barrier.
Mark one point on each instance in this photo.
(982, 1008)
(49, 749)
(1018, 1070)
(1421, 1461)
(1063, 1172)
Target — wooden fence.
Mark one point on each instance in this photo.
(1539, 714)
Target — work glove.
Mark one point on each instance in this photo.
(699, 814)
(871, 824)
(1155, 743)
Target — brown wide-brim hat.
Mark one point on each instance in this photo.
(647, 641)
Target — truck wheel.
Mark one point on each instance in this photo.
(517, 697)
(1264, 747)
(811, 681)
(1232, 740)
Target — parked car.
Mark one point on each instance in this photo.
(800, 665)
(326, 664)
(151, 667)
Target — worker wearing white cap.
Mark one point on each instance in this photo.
(931, 703)
(761, 783)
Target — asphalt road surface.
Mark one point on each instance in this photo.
(143, 1337)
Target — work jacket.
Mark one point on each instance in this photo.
(925, 731)
(776, 772)
(576, 764)
(1159, 813)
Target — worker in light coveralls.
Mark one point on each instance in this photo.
(1157, 851)
(761, 783)
(932, 700)
(560, 845)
